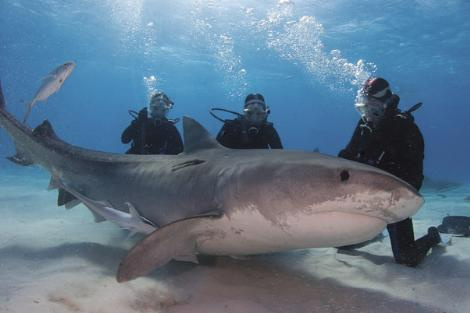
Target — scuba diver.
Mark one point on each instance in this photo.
(389, 139)
(249, 130)
(150, 131)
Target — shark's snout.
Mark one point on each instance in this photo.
(390, 198)
(407, 201)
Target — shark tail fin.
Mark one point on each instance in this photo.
(2, 98)
(158, 248)
(20, 157)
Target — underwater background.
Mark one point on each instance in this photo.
(308, 58)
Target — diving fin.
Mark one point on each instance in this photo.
(456, 225)
(172, 241)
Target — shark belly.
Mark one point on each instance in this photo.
(249, 232)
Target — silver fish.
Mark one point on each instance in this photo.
(50, 85)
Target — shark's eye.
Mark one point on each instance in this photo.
(344, 175)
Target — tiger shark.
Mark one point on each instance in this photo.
(214, 200)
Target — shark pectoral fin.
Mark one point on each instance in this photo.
(158, 248)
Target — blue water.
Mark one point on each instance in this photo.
(307, 57)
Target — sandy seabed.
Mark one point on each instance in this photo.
(57, 260)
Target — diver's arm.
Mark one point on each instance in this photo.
(130, 132)
(350, 152)
(412, 155)
(175, 143)
(275, 140)
(225, 136)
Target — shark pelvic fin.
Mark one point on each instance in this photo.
(72, 204)
(168, 242)
(196, 137)
(65, 197)
(20, 158)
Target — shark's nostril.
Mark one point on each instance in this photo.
(344, 175)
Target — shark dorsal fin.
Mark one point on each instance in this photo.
(45, 130)
(196, 137)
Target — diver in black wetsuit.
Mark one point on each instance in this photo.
(389, 139)
(151, 132)
(250, 130)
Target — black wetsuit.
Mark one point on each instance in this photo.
(152, 136)
(397, 147)
(240, 134)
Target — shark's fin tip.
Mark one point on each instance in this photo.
(196, 137)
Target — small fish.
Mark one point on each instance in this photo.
(50, 84)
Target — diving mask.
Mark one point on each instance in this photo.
(159, 107)
(256, 111)
(372, 110)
